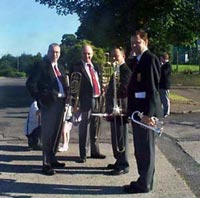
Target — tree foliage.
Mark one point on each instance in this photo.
(111, 22)
(19, 66)
(71, 54)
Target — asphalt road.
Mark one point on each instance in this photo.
(180, 143)
(13, 93)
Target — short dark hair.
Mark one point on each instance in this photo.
(165, 55)
(53, 44)
(142, 34)
(121, 49)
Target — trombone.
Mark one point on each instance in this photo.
(158, 128)
(117, 108)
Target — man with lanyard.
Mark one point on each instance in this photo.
(143, 96)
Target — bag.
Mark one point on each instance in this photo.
(34, 139)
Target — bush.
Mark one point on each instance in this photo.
(10, 72)
(19, 74)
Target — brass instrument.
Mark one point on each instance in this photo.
(117, 106)
(106, 72)
(158, 128)
(117, 109)
(73, 98)
(75, 82)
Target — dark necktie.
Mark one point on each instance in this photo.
(94, 80)
(135, 63)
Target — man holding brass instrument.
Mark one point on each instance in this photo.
(116, 105)
(89, 99)
(143, 96)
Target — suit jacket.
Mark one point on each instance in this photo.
(165, 79)
(125, 74)
(42, 84)
(132, 62)
(143, 89)
(86, 89)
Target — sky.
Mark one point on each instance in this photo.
(29, 27)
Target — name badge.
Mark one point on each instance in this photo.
(140, 95)
(139, 77)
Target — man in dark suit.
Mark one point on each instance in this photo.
(116, 96)
(143, 96)
(48, 87)
(131, 60)
(165, 83)
(89, 99)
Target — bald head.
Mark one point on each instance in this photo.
(87, 53)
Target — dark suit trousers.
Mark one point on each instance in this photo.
(51, 123)
(89, 129)
(119, 137)
(144, 145)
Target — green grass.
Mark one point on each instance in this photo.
(185, 79)
(186, 68)
(177, 98)
(178, 78)
(187, 75)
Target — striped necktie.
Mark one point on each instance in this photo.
(58, 74)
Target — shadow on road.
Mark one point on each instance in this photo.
(32, 188)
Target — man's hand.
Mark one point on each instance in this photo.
(148, 120)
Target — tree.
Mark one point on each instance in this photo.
(8, 61)
(18, 66)
(72, 54)
(27, 62)
(68, 40)
(111, 22)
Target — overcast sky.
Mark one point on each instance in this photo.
(28, 27)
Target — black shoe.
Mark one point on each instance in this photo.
(99, 156)
(119, 171)
(47, 170)
(134, 189)
(81, 160)
(57, 164)
(111, 166)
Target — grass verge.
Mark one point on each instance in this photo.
(177, 98)
(185, 79)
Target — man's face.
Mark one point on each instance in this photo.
(117, 55)
(54, 53)
(87, 54)
(138, 44)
